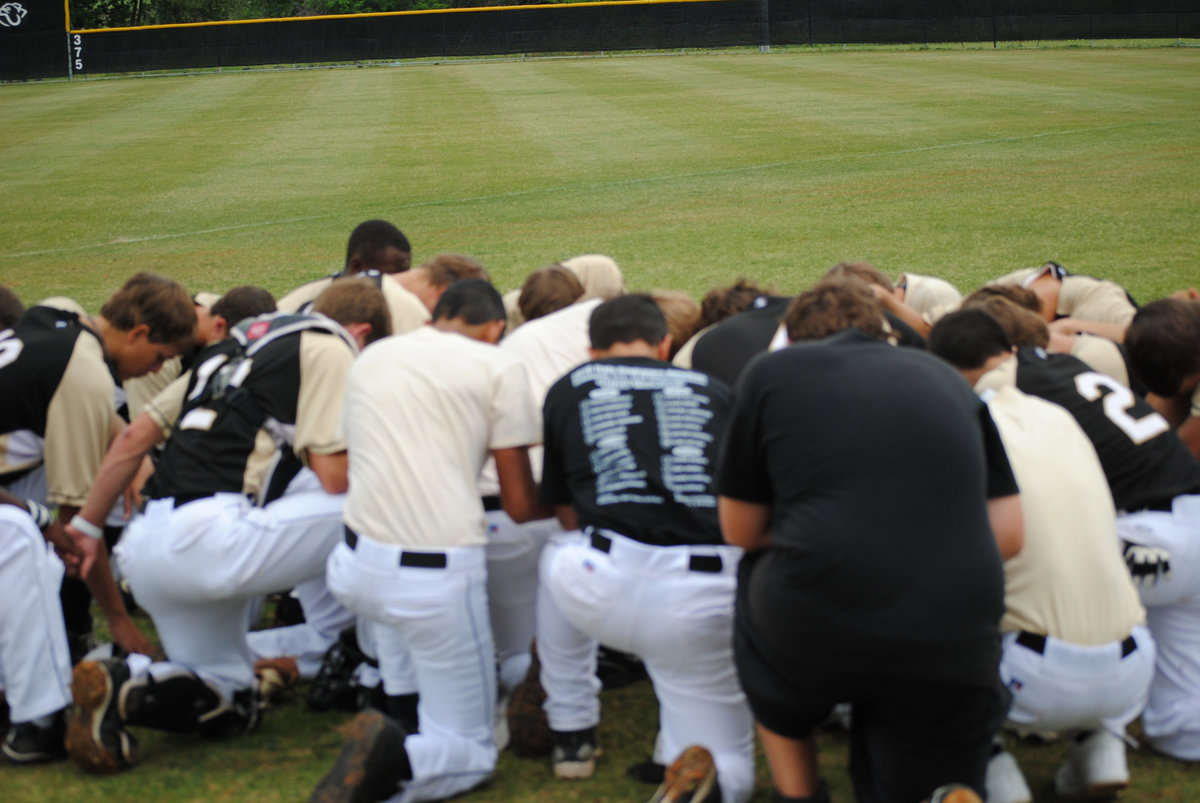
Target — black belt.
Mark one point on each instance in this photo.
(180, 501)
(709, 564)
(491, 503)
(413, 560)
(1037, 643)
(1158, 505)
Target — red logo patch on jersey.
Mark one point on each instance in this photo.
(257, 330)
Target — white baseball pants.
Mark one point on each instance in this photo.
(648, 600)
(324, 617)
(1172, 716)
(1071, 687)
(437, 619)
(35, 665)
(197, 570)
(513, 551)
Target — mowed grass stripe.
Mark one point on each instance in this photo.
(747, 159)
(816, 168)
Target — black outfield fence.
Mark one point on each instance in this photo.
(33, 39)
(586, 27)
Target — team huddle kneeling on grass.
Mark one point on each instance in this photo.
(953, 517)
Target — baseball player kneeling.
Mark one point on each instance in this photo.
(630, 450)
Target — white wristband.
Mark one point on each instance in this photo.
(87, 528)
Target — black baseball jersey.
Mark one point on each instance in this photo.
(242, 391)
(631, 444)
(57, 401)
(33, 358)
(1143, 458)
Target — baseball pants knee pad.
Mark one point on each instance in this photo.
(184, 703)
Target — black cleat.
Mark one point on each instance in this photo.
(371, 766)
(26, 743)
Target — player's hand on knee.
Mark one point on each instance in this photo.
(1148, 565)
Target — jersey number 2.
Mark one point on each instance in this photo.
(1117, 404)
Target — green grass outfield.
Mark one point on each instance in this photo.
(689, 170)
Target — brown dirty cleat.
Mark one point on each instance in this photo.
(528, 730)
(275, 676)
(691, 778)
(372, 764)
(96, 739)
(954, 793)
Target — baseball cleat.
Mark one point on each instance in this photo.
(1095, 768)
(96, 739)
(648, 771)
(528, 730)
(691, 778)
(574, 754)
(1004, 782)
(26, 743)
(371, 766)
(954, 793)
(275, 676)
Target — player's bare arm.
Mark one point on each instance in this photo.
(1189, 433)
(567, 517)
(744, 524)
(518, 492)
(1008, 524)
(901, 310)
(1071, 326)
(121, 463)
(98, 577)
(332, 470)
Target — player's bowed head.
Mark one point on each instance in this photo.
(631, 325)
(471, 307)
(359, 306)
(834, 305)
(148, 321)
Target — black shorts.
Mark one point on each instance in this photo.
(908, 736)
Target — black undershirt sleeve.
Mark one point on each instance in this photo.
(553, 489)
(742, 470)
(1000, 479)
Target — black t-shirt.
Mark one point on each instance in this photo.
(877, 463)
(1143, 458)
(631, 445)
(726, 349)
